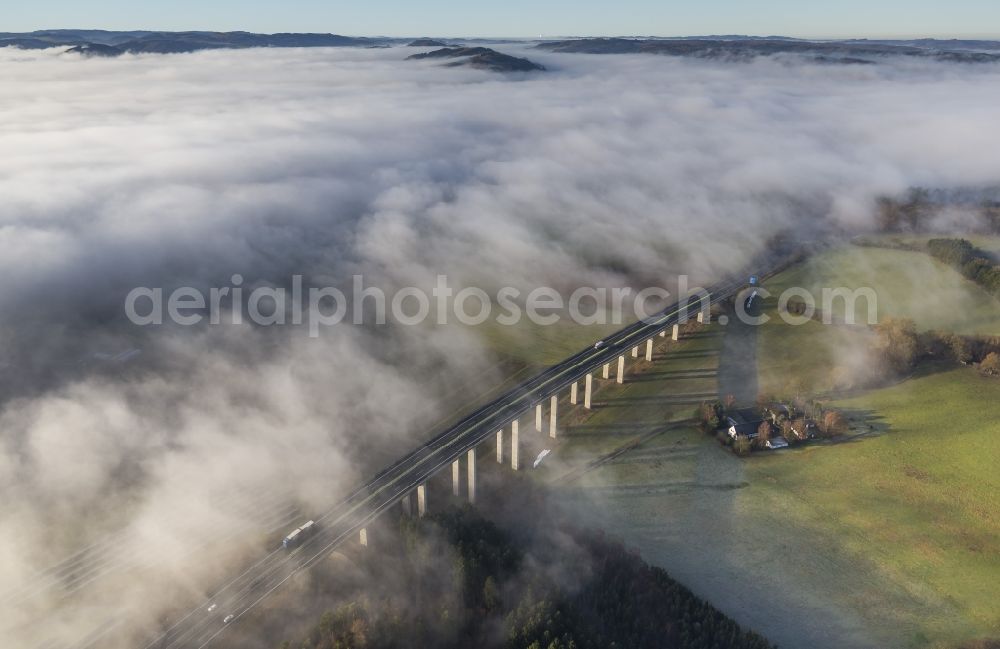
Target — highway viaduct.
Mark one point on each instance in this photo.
(497, 424)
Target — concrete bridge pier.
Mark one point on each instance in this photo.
(421, 500)
(363, 537)
(538, 418)
(649, 350)
(500, 446)
(606, 371)
(456, 472)
(677, 333)
(621, 369)
(635, 352)
(663, 333)
(471, 467)
(704, 318)
(573, 393)
(587, 389)
(406, 504)
(553, 409)
(515, 455)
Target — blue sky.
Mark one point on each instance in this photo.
(828, 18)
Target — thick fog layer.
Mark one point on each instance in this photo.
(166, 171)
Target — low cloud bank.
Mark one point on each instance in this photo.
(184, 170)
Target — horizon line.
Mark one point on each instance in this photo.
(898, 36)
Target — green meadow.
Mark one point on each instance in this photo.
(907, 284)
(888, 538)
(911, 497)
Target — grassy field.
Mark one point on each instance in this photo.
(816, 358)
(908, 509)
(907, 284)
(809, 359)
(983, 242)
(914, 506)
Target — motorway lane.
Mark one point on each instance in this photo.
(63, 583)
(104, 557)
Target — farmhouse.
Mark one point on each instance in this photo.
(744, 421)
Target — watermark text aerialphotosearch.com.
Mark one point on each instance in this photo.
(326, 306)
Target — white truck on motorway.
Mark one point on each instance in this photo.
(298, 535)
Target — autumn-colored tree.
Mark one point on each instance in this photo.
(990, 365)
(710, 416)
(763, 434)
(800, 428)
(833, 423)
(897, 344)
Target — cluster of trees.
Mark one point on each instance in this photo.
(710, 416)
(623, 603)
(798, 419)
(470, 582)
(899, 347)
(973, 263)
(910, 213)
(914, 211)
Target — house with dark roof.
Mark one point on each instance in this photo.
(744, 421)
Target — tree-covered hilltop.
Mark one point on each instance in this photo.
(975, 264)
(465, 581)
(921, 209)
